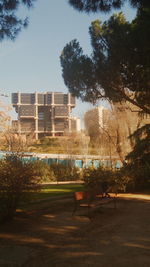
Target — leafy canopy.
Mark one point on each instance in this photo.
(10, 23)
(141, 151)
(118, 70)
(119, 67)
(104, 5)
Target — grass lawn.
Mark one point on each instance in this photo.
(58, 190)
(50, 192)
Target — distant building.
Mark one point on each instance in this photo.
(109, 130)
(96, 119)
(45, 114)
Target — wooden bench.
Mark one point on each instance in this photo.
(91, 199)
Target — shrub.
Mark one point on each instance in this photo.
(123, 180)
(65, 173)
(17, 178)
(139, 176)
(99, 178)
(43, 171)
(104, 180)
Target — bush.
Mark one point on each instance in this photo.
(43, 171)
(99, 178)
(65, 173)
(139, 176)
(104, 180)
(123, 180)
(16, 180)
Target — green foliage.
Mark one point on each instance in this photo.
(47, 145)
(141, 151)
(73, 61)
(10, 24)
(52, 191)
(121, 53)
(94, 177)
(43, 171)
(49, 141)
(97, 179)
(65, 173)
(55, 171)
(139, 177)
(124, 181)
(118, 70)
(139, 158)
(104, 6)
(106, 180)
(67, 145)
(16, 179)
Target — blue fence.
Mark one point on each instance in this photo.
(79, 163)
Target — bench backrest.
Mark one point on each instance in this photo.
(79, 195)
(84, 195)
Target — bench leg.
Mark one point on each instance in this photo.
(115, 203)
(75, 208)
(76, 205)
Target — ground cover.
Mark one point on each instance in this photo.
(49, 191)
(48, 235)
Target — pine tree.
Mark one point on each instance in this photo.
(10, 23)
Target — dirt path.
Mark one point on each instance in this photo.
(51, 237)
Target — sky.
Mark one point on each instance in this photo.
(31, 62)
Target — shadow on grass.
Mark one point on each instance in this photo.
(53, 192)
(52, 237)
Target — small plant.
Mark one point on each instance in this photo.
(105, 180)
(43, 171)
(65, 173)
(17, 179)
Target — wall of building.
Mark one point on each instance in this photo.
(95, 120)
(44, 113)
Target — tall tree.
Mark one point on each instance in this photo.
(118, 70)
(139, 158)
(103, 5)
(10, 23)
(119, 67)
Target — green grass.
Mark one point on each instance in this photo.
(49, 193)
(58, 190)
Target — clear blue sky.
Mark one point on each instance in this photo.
(31, 63)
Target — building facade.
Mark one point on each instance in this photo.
(45, 114)
(96, 120)
(109, 130)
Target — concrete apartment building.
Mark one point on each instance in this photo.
(96, 119)
(45, 114)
